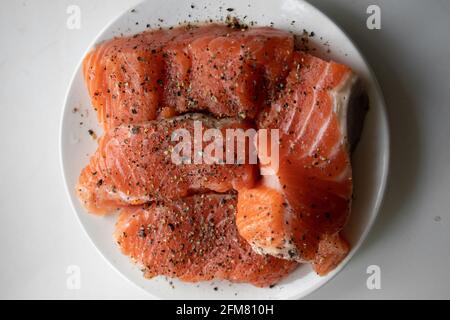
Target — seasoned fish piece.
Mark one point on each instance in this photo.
(135, 164)
(298, 211)
(195, 239)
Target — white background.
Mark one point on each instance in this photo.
(40, 236)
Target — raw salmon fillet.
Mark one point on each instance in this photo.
(134, 164)
(199, 220)
(298, 211)
(124, 78)
(223, 70)
(238, 73)
(195, 239)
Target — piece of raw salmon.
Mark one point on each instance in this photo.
(298, 211)
(223, 70)
(238, 73)
(253, 75)
(195, 239)
(124, 78)
(138, 163)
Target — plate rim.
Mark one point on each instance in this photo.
(385, 163)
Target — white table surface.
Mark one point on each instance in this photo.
(40, 236)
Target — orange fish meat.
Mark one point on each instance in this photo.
(145, 87)
(223, 70)
(195, 239)
(134, 164)
(298, 211)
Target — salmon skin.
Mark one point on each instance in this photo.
(195, 239)
(298, 211)
(157, 74)
(134, 164)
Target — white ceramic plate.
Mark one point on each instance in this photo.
(370, 160)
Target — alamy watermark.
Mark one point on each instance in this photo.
(74, 19)
(374, 20)
(73, 281)
(235, 146)
(374, 280)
